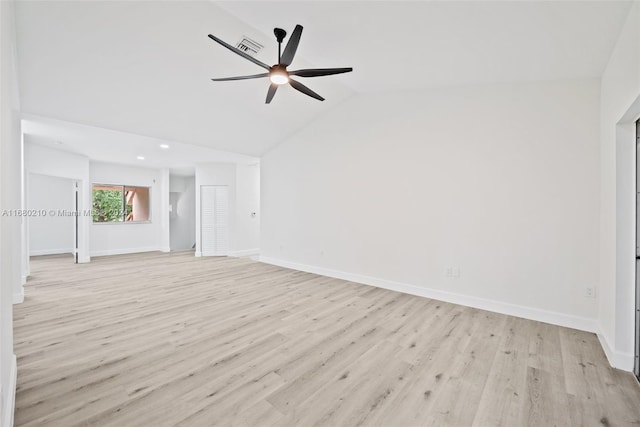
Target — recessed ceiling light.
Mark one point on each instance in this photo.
(140, 157)
(58, 142)
(164, 146)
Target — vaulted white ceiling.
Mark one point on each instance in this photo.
(145, 67)
(397, 45)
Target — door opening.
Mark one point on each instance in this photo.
(182, 213)
(54, 230)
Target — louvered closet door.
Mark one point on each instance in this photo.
(214, 220)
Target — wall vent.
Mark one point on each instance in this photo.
(249, 46)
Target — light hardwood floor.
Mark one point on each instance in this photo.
(169, 339)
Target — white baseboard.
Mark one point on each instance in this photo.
(198, 253)
(10, 402)
(124, 251)
(166, 249)
(18, 298)
(552, 317)
(247, 253)
(51, 252)
(616, 359)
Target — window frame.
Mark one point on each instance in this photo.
(124, 203)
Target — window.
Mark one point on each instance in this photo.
(120, 203)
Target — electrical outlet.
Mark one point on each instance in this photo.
(456, 271)
(590, 292)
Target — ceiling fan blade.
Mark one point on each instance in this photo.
(292, 46)
(239, 52)
(272, 91)
(302, 88)
(253, 76)
(317, 72)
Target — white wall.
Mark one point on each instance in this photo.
(118, 238)
(499, 181)
(53, 233)
(10, 198)
(183, 215)
(620, 107)
(48, 161)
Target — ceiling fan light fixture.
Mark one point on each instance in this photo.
(279, 77)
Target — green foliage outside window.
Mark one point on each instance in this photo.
(107, 205)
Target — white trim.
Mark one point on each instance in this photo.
(10, 405)
(531, 313)
(246, 253)
(125, 251)
(24, 279)
(166, 249)
(18, 298)
(616, 359)
(51, 252)
(198, 254)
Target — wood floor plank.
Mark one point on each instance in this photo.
(174, 340)
(545, 380)
(506, 389)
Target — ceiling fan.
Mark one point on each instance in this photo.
(278, 73)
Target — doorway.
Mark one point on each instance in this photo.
(52, 204)
(182, 212)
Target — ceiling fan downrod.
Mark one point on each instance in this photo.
(280, 35)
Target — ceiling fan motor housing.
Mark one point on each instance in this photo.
(280, 34)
